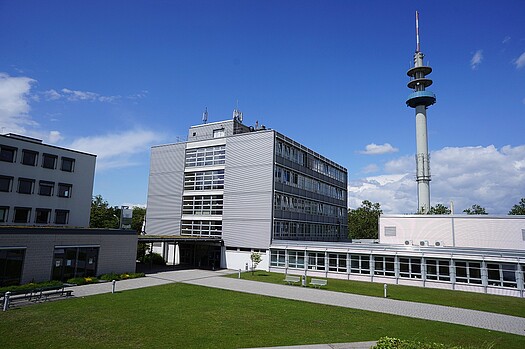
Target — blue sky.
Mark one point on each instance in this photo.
(114, 78)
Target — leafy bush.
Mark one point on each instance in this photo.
(154, 258)
(114, 276)
(31, 286)
(109, 277)
(82, 280)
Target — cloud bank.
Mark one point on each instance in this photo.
(490, 177)
(378, 149)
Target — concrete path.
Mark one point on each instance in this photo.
(473, 318)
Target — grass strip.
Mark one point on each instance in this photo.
(187, 316)
(459, 299)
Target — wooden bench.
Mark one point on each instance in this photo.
(318, 283)
(292, 279)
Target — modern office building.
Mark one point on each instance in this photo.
(237, 189)
(45, 203)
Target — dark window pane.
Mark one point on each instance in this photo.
(7, 153)
(46, 188)
(67, 164)
(22, 214)
(29, 157)
(61, 216)
(64, 190)
(11, 263)
(42, 215)
(5, 183)
(25, 186)
(49, 161)
(4, 210)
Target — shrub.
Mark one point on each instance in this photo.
(31, 286)
(82, 280)
(396, 343)
(154, 258)
(123, 276)
(109, 277)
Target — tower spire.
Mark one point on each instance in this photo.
(421, 99)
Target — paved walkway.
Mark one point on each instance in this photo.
(473, 318)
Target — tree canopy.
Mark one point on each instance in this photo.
(439, 209)
(105, 216)
(363, 222)
(519, 208)
(476, 209)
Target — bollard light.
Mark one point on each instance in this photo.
(6, 300)
(239, 273)
(384, 286)
(113, 286)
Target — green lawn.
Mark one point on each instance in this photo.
(468, 300)
(186, 316)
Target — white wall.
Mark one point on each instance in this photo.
(506, 232)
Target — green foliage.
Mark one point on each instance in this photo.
(31, 286)
(518, 209)
(123, 276)
(82, 280)
(154, 258)
(439, 209)
(256, 258)
(476, 209)
(363, 221)
(103, 215)
(138, 217)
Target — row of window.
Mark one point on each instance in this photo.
(207, 156)
(31, 158)
(287, 230)
(28, 186)
(204, 180)
(38, 216)
(300, 157)
(459, 271)
(202, 205)
(201, 228)
(297, 180)
(294, 204)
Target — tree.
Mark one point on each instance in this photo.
(256, 258)
(363, 221)
(518, 209)
(439, 209)
(476, 209)
(103, 215)
(139, 214)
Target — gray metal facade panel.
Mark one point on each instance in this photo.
(165, 189)
(248, 192)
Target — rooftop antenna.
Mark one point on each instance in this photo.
(237, 114)
(205, 116)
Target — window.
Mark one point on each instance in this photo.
(316, 261)
(42, 215)
(70, 262)
(4, 213)
(468, 272)
(5, 183)
(296, 259)
(46, 188)
(68, 164)
(202, 205)
(360, 264)
(208, 156)
(25, 185)
(7, 154)
(337, 262)
(410, 268)
(277, 258)
(204, 180)
(11, 263)
(29, 157)
(201, 228)
(438, 269)
(61, 216)
(218, 133)
(22, 214)
(502, 274)
(384, 266)
(64, 190)
(49, 161)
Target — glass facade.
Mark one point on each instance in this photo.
(11, 265)
(70, 262)
(208, 156)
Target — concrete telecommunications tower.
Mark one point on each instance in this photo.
(420, 100)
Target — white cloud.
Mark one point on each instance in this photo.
(491, 177)
(77, 95)
(14, 104)
(117, 150)
(476, 59)
(378, 149)
(520, 62)
(506, 40)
